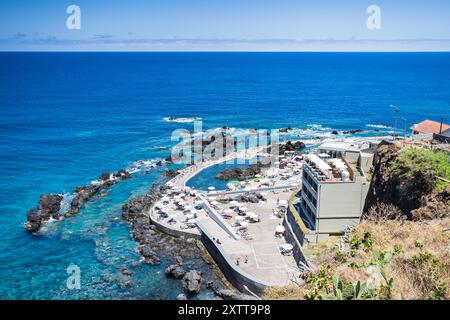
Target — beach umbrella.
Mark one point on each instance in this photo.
(286, 246)
(189, 216)
(228, 211)
(279, 229)
(324, 155)
(192, 221)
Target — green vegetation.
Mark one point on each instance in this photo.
(434, 270)
(339, 256)
(343, 290)
(365, 242)
(389, 260)
(415, 163)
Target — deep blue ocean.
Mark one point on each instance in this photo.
(67, 117)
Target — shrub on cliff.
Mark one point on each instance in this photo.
(424, 167)
(389, 260)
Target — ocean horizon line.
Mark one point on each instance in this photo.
(211, 51)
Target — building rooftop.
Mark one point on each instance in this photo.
(330, 170)
(446, 133)
(345, 145)
(429, 126)
(336, 145)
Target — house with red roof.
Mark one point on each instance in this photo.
(427, 128)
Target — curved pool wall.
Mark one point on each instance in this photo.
(241, 280)
(173, 232)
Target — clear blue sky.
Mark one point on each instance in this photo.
(266, 25)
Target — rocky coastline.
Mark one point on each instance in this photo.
(50, 205)
(53, 206)
(290, 146)
(335, 132)
(241, 173)
(153, 245)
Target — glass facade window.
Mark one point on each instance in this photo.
(307, 215)
(310, 181)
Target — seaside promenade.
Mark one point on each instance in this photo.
(242, 227)
(250, 241)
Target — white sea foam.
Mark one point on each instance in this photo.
(66, 201)
(158, 148)
(143, 165)
(182, 120)
(317, 127)
(95, 182)
(379, 126)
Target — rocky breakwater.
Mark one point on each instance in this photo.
(155, 246)
(152, 243)
(48, 208)
(135, 213)
(227, 294)
(290, 146)
(242, 173)
(192, 282)
(335, 132)
(50, 205)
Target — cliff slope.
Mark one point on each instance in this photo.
(405, 183)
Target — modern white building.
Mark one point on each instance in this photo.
(335, 183)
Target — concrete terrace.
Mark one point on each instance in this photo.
(256, 251)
